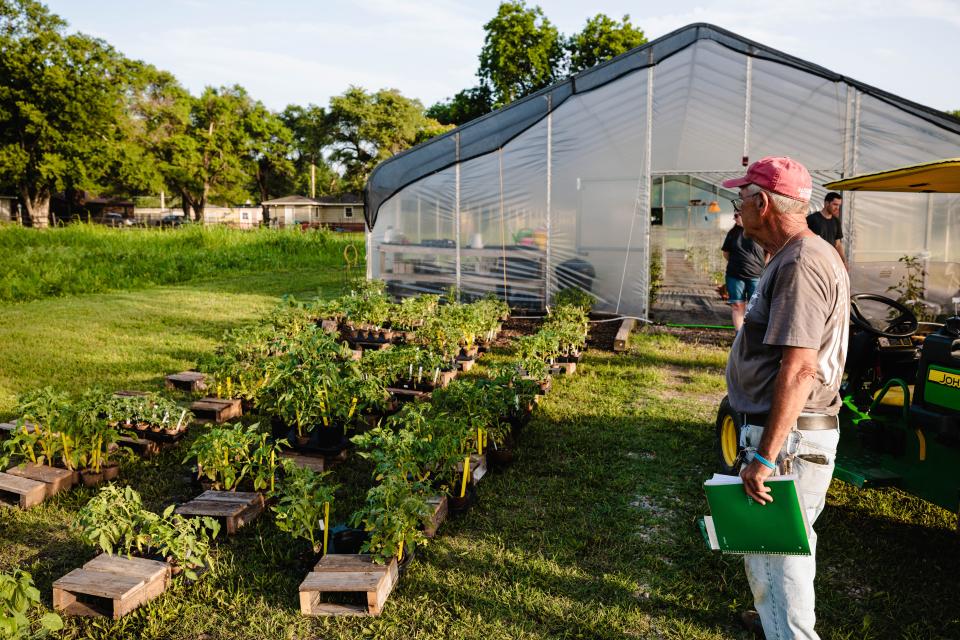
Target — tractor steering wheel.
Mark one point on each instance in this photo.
(903, 324)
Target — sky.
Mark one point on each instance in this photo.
(299, 52)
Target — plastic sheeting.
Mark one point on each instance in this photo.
(589, 182)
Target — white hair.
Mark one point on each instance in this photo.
(784, 205)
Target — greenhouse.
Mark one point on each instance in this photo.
(610, 180)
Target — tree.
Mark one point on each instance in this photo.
(464, 106)
(602, 38)
(206, 159)
(522, 52)
(268, 152)
(60, 104)
(368, 128)
(312, 134)
(955, 113)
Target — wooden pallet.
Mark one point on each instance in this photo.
(21, 492)
(233, 508)
(439, 506)
(141, 446)
(478, 468)
(187, 381)
(130, 394)
(54, 479)
(330, 325)
(7, 428)
(403, 395)
(347, 573)
(370, 346)
(110, 586)
(465, 365)
(216, 409)
(317, 463)
(563, 367)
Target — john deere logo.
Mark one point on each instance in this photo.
(944, 378)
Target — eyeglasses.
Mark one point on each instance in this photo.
(738, 203)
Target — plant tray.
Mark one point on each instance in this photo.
(347, 573)
(478, 469)
(111, 586)
(318, 463)
(216, 409)
(21, 492)
(233, 508)
(440, 509)
(155, 436)
(55, 479)
(187, 381)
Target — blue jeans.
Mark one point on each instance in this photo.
(740, 290)
(782, 586)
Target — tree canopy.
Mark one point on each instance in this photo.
(601, 39)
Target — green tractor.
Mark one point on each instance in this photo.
(900, 420)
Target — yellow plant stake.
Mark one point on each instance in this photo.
(466, 474)
(273, 465)
(229, 387)
(479, 441)
(353, 407)
(326, 525)
(400, 553)
(219, 390)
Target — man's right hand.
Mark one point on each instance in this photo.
(753, 476)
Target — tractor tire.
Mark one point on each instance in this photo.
(727, 442)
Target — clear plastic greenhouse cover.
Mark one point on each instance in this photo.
(612, 177)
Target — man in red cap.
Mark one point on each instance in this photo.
(784, 375)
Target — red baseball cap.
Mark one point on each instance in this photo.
(777, 174)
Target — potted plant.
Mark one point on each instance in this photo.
(303, 507)
(184, 542)
(394, 515)
(231, 456)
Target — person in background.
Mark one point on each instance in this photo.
(826, 223)
(784, 375)
(745, 260)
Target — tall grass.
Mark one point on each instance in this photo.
(85, 258)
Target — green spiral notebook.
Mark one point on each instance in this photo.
(738, 524)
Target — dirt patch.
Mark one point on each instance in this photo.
(709, 337)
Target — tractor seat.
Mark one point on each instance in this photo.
(893, 399)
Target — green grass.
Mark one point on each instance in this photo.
(590, 534)
(86, 258)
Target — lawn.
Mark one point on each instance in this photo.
(589, 534)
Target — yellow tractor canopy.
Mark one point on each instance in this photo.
(939, 176)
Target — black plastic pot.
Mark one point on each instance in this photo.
(344, 539)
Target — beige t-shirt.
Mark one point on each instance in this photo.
(802, 300)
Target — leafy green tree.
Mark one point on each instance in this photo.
(207, 158)
(269, 142)
(955, 113)
(61, 99)
(600, 39)
(465, 106)
(312, 134)
(368, 128)
(522, 52)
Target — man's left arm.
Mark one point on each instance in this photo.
(843, 256)
(791, 389)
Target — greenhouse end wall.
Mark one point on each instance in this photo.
(586, 195)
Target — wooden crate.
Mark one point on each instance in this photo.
(233, 508)
(440, 508)
(54, 479)
(110, 586)
(465, 365)
(187, 381)
(478, 469)
(317, 463)
(21, 492)
(347, 573)
(216, 409)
